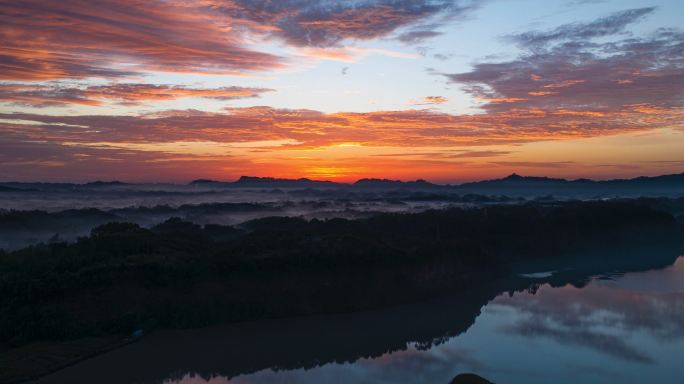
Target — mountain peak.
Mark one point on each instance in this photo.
(513, 176)
(100, 183)
(204, 181)
(257, 181)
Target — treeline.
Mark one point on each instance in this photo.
(178, 274)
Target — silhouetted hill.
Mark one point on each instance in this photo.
(54, 187)
(665, 180)
(38, 186)
(514, 184)
(11, 189)
(395, 184)
(266, 182)
(675, 180)
(99, 183)
(469, 378)
(206, 182)
(271, 182)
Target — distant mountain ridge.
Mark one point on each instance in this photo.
(10, 189)
(511, 179)
(17, 186)
(513, 185)
(266, 182)
(386, 183)
(100, 183)
(515, 179)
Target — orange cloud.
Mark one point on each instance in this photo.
(128, 94)
(498, 100)
(564, 83)
(541, 93)
(429, 100)
(311, 129)
(436, 99)
(349, 54)
(44, 39)
(263, 141)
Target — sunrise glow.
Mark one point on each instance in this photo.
(441, 90)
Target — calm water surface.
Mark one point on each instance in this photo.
(605, 328)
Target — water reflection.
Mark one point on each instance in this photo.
(599, 322)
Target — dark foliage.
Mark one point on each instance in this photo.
(179, 274)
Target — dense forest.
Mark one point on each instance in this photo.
(124, 277)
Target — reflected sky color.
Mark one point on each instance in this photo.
(446, 90)
(612, 330)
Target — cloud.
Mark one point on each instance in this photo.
(56, 39)
(183, 145)
(50, 161)
(575, 3)
(580, 317)
(429, 100)
(417, 36)
(655, 313)
(536, 164)
(308, 128)
(449, 154)
(564, 69)
(436, 99)
(127, 94)
(349, 54)
(476, 154)
(605, 26)
(600, 341)
(59, 39)
(329, 23)
(442, 56)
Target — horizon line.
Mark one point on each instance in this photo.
(304, 178)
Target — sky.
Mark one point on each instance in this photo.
(448, 91)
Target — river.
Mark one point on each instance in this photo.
(594, 325)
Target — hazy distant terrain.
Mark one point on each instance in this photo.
(38, 212)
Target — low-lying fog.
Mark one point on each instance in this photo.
(43, 212)
(54, 214)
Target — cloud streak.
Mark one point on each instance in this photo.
(124, 94)
(428, 100)
(605, 26)
(417, 36)
(407, 128)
